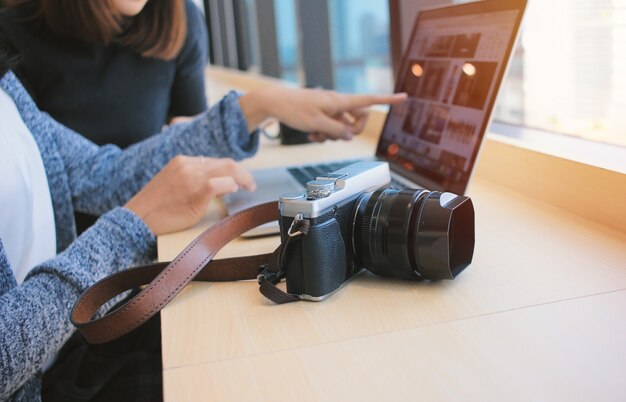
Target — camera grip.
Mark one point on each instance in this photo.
(318, 266)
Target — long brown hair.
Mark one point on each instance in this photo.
(9, 57)
(158, 31)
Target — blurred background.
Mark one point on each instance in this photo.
(568, 74)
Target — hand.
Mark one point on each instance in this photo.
(324, 114)
(178, 196)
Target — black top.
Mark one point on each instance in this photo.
(109, 94)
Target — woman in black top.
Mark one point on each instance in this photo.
(115, 71)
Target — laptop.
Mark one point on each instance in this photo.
(453, 66)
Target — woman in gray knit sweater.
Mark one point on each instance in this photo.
(48, 172)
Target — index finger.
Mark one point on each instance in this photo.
(349, 102)
(228, 167)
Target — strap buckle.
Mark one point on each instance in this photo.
(268, 276)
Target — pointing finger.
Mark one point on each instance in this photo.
(346, 102)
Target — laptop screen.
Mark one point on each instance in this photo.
(451, 70)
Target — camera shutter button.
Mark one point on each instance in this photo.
(319, 188)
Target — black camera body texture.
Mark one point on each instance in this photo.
(323, 259)
(357, 222)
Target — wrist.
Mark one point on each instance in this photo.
(142, 213)
(255, 107)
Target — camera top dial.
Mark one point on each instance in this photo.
(327, 190)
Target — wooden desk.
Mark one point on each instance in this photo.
(539, 315)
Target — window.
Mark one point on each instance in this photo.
(569, 73)
(287, 37)
(360, 45)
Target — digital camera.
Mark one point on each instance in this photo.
(358, 222)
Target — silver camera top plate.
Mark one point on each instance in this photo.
(348, 181)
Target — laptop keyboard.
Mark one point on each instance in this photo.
(303, 174)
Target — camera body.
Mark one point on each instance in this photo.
(324, 259)
(357, 222)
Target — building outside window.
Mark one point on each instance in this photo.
(360, 45)
(287, 38)
(568, 74)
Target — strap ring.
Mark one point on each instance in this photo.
(296, 221)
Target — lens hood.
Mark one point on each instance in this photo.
(444, 236)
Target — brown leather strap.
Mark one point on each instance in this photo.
(166, 280)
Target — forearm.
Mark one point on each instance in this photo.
(108, 177)
(34, 317)
(33, 326)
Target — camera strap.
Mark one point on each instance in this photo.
(163, 281)
(274, 271)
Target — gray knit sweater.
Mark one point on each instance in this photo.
(34, 317)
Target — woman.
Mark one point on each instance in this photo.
(115, 71)
(47, 171)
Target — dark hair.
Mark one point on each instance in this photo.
(9, 57)
(158, 31)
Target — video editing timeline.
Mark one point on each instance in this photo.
(450, 79)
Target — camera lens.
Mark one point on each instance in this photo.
(414, 234)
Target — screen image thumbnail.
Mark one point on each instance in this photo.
(476, 80)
